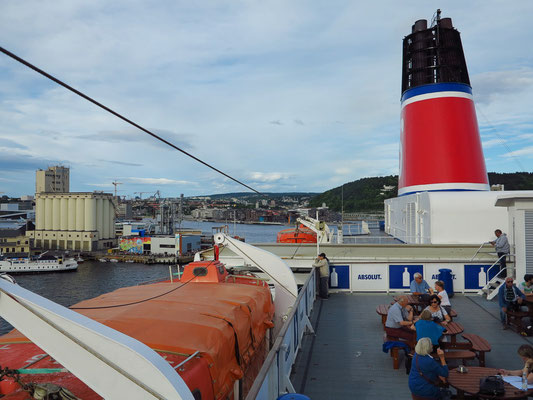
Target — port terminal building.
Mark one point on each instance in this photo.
(83, 221)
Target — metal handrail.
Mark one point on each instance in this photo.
(480, 247)
(276, 347)
(493, 265)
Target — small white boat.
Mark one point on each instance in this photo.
(44, 263)
(129, 261)
(114, 260)
(102, 260)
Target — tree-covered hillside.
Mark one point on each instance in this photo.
(367, 194)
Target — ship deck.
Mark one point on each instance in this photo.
(344, 360)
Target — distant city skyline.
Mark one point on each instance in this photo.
(286, 97)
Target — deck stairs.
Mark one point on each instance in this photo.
(494, 284)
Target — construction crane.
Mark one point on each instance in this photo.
(115, 183)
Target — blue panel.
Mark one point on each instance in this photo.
(436, 87)
(343, 276)
(477, 274)
(396, 275)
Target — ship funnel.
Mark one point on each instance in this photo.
(440, 142)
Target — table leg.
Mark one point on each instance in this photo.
(460, 395)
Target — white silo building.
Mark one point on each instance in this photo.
(74, 221)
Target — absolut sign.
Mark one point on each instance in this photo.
(369, 276)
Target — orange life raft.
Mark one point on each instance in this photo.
(223, 317)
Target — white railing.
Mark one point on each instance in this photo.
(273, 378)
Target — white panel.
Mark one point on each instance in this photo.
(80, 214)
(528, 236)
(56, 214)
(100, 217)
(48, 208)
(371, 277)
(39, 214)
(107, 224)
(64, 214)
(71, 214)
(90, 214)
(432, 270)
(111, 219)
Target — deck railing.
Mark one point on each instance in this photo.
(273, 378)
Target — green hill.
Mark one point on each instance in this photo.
(367, 194)
(361, 195)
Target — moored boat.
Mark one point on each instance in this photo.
(43, 263)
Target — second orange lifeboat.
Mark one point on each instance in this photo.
(299, 234)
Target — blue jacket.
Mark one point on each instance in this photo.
(431, 370)
(501, 294)
(428, 329)
(389, 345)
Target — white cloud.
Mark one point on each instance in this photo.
(491, 143)
(245, 86)
(526, 151)
(156, 181)
(269, 176)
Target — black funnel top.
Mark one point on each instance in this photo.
(433, 55)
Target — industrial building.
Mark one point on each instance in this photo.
(74, 221)
(53, 180)
(180, 244)
(14, 243)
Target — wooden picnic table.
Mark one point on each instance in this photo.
(452, 330)
(469, 383)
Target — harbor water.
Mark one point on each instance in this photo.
(94, 278)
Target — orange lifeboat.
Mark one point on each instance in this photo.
(209, 325)
(300, 234)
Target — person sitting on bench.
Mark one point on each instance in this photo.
(510, 298)
(400, 321)
(419, 286)
(438, 313)
(426, 327)
(443, 296)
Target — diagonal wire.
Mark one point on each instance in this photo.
(502, 140)
(40, 71)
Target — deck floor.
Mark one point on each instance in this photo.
(345, 359)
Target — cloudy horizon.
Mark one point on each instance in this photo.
(283, 96)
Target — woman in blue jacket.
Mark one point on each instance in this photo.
(425, 371)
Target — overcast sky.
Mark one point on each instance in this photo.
(283, 95)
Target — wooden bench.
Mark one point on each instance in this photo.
(395, 351)
(479, 345)
(453, 314)
(457, 355)
(514, 319)
(383, 310)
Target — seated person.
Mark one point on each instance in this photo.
(527, 286)
(426, 327)
(526, 353)
(509, 298)
(438, 314)
(419, 286)
(400, 321)
(443, 296)
(425, 370)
